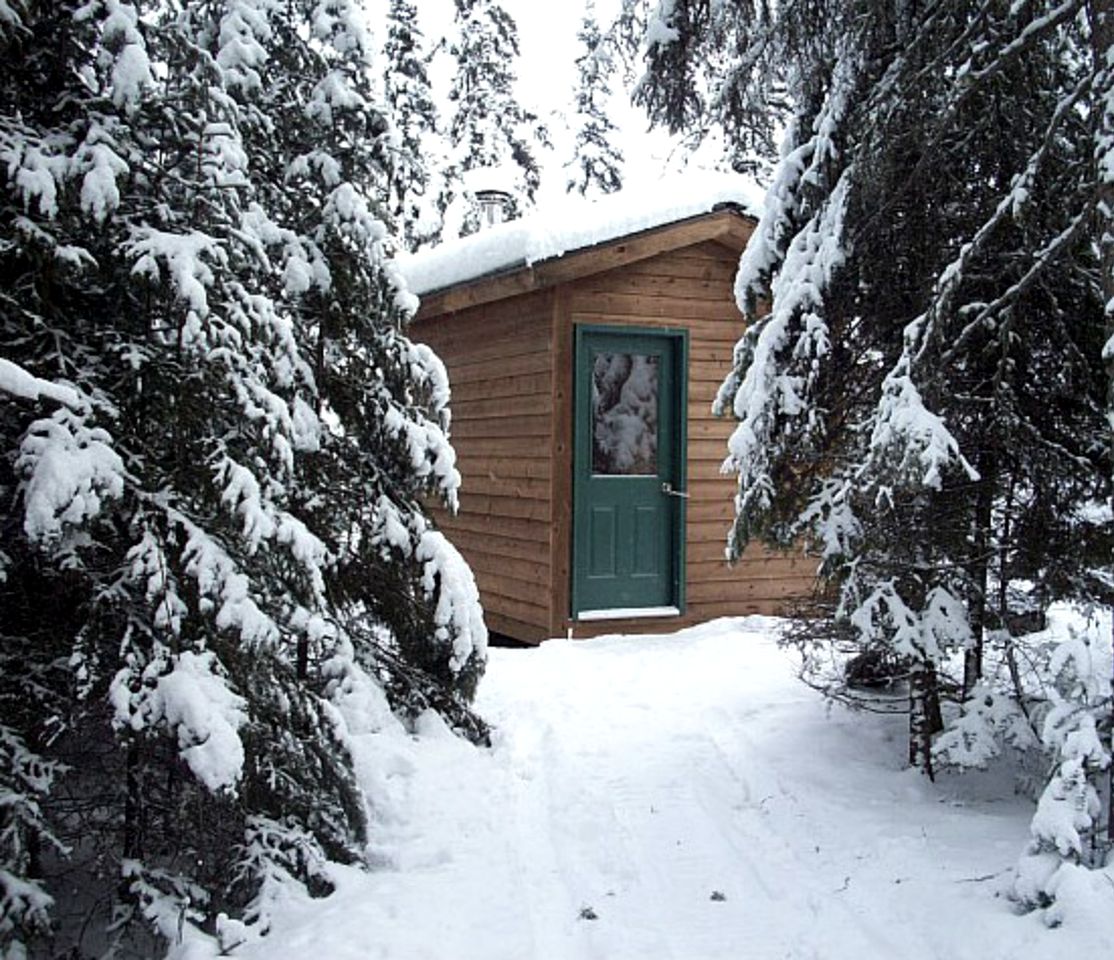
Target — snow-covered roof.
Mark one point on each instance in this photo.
(575, 224)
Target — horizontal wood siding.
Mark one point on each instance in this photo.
(691, 289)
(500, 364)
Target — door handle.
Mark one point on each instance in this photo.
(667, 487)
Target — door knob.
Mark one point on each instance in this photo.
(667, 487)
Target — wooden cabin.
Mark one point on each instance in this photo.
(582, 385)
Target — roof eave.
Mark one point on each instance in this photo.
(726, 224)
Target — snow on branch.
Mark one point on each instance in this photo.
(446, 580)
(831, 519)
(69, 470)
(927, 633)
(16, 381)
(224, 587)
(660, 31)
(243, 31)
(25, 780)
(188, 693)
(9, 18)
(908, 440)
(149, 566)
(769, 391)
(37, 169)
(185, 256)
(458, 615)
(132, 74)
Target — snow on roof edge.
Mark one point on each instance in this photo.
(574, 225)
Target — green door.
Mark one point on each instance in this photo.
(628, 470)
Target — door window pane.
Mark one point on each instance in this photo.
(624, 414)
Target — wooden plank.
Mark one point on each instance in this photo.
(512, 321)
(803, 574)
(701, 396)
(586, 629)
(508, 283)
(493, 350)
(471, 543)
(711, 531)
(561, 454)
(498, 623)
(722, 511)
(706, 250)
(531, 426)
(520, 385)
(710, 370)
(509, 606)
(720, 331)
(641, 246)
(499, 446)
(521, 487)
(707, 450)
(765, 606)
(671, 265)
(498, 320)
(471, 464)
(523, 577)
(700, 408)
(498, 583)
(741, 591)
(756, 561)
(707, 486)
(461, 371)
(525, 530)
(707, 549)
(647, 308)
(716, 351)
(711, 428)
(515, 507)
(501, 407)
(654, 285)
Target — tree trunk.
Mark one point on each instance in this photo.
(133, 804)
(925, 718)
(1102, 39)
(978, 571)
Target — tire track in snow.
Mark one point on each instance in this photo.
(645, 844)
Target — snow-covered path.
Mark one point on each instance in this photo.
(677, 797)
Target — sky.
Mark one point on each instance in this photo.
(547, 82)
(547, 77)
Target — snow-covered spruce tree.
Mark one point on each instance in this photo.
(409, 103)
(1068, 833)
(597, 164)
(215, 436)
(923, 399)
(489, 129)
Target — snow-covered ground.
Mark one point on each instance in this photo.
(676, 797)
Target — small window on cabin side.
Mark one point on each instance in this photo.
(624, 414)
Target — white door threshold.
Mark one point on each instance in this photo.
(628, 613)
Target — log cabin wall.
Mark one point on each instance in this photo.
(500, 361)
(691, 288)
